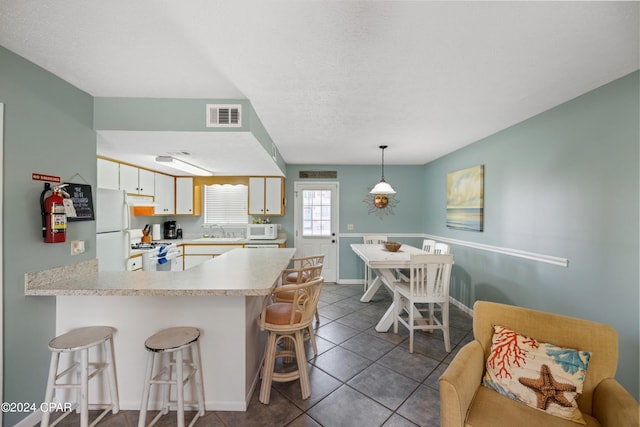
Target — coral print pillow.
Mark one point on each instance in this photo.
(541, 375)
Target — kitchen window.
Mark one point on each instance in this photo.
(226, 204)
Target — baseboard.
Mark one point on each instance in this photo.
(461, 306)
(350, 282)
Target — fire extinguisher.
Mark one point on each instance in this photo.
(54, 219)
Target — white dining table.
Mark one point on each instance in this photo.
(384, 265)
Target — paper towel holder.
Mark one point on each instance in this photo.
(155, 232)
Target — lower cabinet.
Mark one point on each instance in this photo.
(134, 263)
(197, 254)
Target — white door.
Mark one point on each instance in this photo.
(316, 224)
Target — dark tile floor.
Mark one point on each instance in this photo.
(359, 378)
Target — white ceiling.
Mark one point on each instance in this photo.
(331, 80)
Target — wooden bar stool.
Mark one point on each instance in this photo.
(296, 276)
(81, 340)
(169, 344)
(287, 321)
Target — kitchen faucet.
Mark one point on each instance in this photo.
(221, 229)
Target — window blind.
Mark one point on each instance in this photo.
(226, 204)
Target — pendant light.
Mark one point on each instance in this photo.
(382, 187)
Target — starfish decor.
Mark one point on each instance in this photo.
(547, 389)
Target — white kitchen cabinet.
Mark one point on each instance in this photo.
(197, 254)
(184, 196)
(137, 181)
(108, 174)
(180, 258)
(165, 194)
(266, 196)
(134, 263)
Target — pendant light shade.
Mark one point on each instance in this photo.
(382, 187)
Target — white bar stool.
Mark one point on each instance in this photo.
(81, 340)
(169, 344)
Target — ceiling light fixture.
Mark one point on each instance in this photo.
(172, 162)
(382, 187)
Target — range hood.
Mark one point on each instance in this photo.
(141, 205)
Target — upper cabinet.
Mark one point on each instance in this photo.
(187, 203)
(165, 194)
(137, 181)
(266, 196)
(108, 174)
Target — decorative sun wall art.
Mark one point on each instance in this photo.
(380, 204)
(465, 199)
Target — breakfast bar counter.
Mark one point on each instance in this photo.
(222, 297)
(237, 272)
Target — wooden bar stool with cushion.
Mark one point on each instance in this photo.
(171, 344)
(298, 263)
(301, 275)
(288, 321)
(80, 341)
(291, 274)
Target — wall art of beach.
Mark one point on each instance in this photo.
(465, 199)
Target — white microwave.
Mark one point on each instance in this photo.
(262, 231)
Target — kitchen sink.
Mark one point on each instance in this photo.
(219, 239)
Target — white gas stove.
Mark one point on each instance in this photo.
(156, 255)
(160, 257)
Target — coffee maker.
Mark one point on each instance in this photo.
(170, 231)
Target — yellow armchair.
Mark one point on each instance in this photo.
(464, 402)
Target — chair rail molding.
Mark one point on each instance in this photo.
(549, 259)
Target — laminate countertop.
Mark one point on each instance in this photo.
(237, 272)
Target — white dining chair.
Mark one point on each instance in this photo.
(428, 285)
(372, 239)
(428, 246)
(441, 248)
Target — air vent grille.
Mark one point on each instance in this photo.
(224, 115)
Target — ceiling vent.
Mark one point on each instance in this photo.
(224, 115)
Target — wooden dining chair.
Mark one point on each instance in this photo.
(371, 239)
(287, 321)
(429, 277)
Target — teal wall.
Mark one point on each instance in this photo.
(563, 183)
(48, 128)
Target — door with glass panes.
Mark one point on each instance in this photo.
(316, 224)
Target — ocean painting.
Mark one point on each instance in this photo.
(465, 199)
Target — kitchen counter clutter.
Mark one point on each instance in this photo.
(222, 297)
(237, 272)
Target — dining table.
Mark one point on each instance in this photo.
(384, 264)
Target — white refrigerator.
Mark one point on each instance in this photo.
(112, 218)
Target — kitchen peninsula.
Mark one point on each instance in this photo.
(223, 297)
